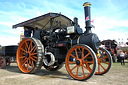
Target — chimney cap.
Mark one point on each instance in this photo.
(86, 4)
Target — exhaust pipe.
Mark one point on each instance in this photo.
(87, 17)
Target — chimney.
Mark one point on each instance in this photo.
(87, 17)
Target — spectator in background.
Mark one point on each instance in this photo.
(118, 55)
(122, 55)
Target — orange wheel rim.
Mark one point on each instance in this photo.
(79, 62)
(103, 62)
(26, 55)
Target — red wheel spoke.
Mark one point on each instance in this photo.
(76, 53)
(101, 54)
(105, 62)
(26, 46)
(24, 62)
(29, 61)
(33, 48)
(87, 68)
(22, 57)
(98, 68)
(88, 62)
(104, 57)
(23, 50)
(86, 55)
(83, 71)
(32, 64)
(33, 59)
(33, 53)
(26, 49)
(73, 68)
(102, 66)
(73, 56)
(29, 46)
(72, 62)
(77, 70)
(27, 65)
(82, 53)
(23, 53)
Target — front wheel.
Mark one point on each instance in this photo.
(81, 62)
(104, 61)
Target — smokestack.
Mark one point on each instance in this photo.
(76, 22)
(87, 17)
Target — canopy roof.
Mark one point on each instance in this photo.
(109, 41)
(43, 22)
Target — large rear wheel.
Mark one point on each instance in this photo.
(104, 61)
(29, 55)
(81, 62)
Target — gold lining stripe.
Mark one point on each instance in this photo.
(71, 41)
(86, 4)
(78, 40)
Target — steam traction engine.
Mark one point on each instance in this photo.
(111, 46)
(58, 39)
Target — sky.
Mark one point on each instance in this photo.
(110, 16)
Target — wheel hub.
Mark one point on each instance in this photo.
(77, 62)
(26, 55)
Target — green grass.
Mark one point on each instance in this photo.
(119, 66)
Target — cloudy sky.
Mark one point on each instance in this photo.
(110, 16)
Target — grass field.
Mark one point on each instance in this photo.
(118, 75)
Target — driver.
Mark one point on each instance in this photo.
(27, 31)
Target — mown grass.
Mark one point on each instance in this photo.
(117, 66)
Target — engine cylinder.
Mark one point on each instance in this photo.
(89, 39)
